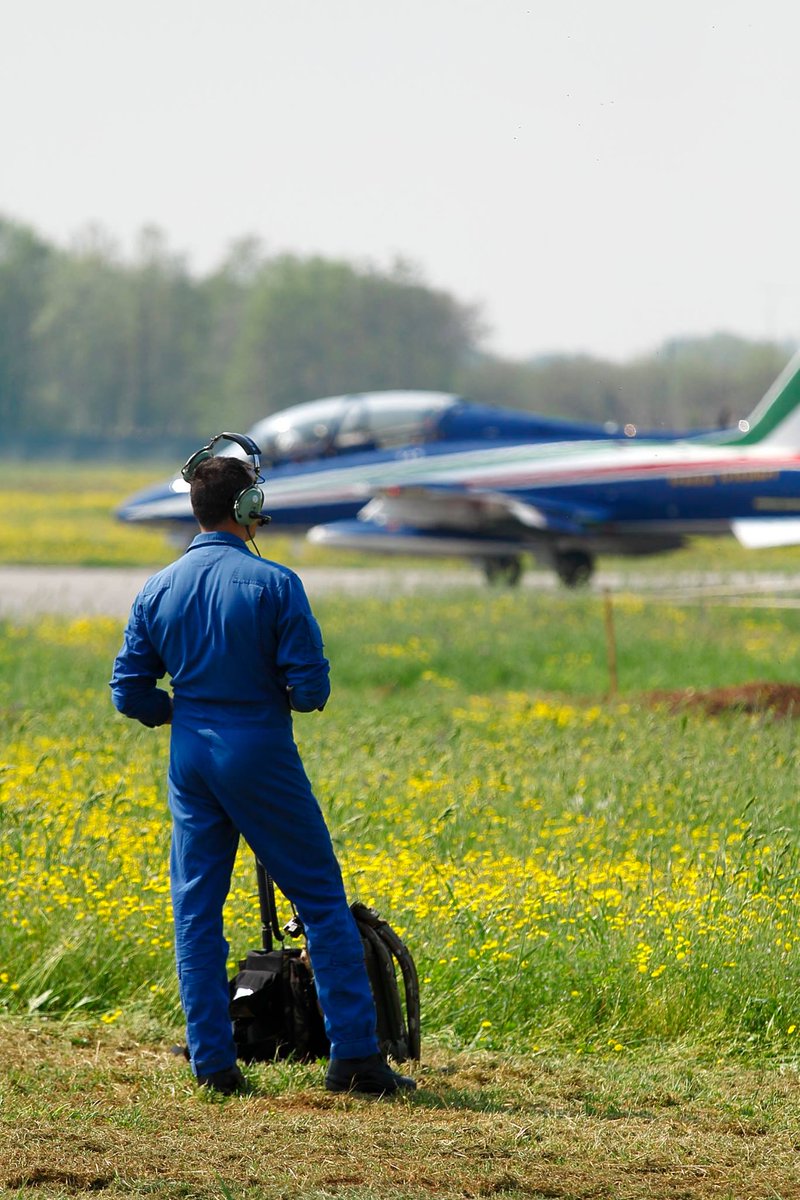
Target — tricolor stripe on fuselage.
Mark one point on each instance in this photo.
(526, 467)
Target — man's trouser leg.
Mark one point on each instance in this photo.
(296, 849)
(204, 843)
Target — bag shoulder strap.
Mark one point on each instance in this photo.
(389, 947)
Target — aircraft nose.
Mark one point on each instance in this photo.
(160, 501)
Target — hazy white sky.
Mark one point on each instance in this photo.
(597, 174)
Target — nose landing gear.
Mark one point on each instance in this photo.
(506, 571)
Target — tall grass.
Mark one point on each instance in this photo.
(568, 870)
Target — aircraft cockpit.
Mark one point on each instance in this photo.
(349, 424)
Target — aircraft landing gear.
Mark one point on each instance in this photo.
(503, 571)
(574, 567)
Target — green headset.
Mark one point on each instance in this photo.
(247, 504)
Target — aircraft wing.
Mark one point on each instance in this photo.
(454, 508)
(405, 513)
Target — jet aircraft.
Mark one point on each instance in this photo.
(568, 502)
(327, 458)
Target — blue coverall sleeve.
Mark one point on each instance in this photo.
(300, 657)
(137, 669)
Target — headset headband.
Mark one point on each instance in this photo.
(241, 439)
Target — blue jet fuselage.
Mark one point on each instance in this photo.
(328, 474)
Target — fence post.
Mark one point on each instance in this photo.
(611, 643)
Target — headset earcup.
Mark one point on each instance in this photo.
(248, 505)
(188, 469)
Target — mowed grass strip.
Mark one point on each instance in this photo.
(98, 1112)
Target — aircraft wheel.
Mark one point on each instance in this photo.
(503, 571)
(574, 568)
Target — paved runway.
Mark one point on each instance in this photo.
(109, 591)
(28, 592)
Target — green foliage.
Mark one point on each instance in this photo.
(316, 328)
(97, 350)
(687, 383)
(24, 264)
(93, 346)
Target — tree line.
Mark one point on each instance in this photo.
(97, 350)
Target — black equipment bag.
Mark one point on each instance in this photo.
(274, 1004)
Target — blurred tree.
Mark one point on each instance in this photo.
(699, 382)
(25, 261)
(94, 346)
(121, 350)
(169, 347)
(314, 327)
(685, 384)
(82, 333)
(226, 292)
(574, 387)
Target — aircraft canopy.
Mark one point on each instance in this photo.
(344, 424)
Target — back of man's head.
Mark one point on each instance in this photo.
(215, 485)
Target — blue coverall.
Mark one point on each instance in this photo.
(238, 638)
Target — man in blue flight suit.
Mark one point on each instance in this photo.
(238, 638)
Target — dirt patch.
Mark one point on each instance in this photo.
(775, 699)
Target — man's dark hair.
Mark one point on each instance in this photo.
(215, 485)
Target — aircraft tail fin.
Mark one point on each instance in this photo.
(776, 418)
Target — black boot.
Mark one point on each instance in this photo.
(228, 1082)
(371, 1075)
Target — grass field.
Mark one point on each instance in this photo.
(600, 893)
